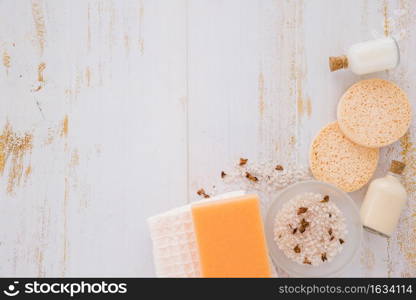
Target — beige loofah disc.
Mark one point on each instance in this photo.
(374, 113)
(335, 159)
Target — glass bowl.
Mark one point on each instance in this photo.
(353, 224)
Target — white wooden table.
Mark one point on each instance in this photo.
(113, 111)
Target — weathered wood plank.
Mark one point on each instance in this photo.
(117, 110)
(108, 133)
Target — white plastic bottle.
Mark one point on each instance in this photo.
(384, 202)
(368, 57)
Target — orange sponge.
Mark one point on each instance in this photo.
(230, 237)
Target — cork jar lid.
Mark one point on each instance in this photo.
(397, 167)
(374, 113)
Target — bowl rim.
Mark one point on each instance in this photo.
(352, 203)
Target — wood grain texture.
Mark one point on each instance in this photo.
(118, 110)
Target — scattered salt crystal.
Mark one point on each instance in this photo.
(269, 179)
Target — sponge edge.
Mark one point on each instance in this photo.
(374, 113)
(335, 159)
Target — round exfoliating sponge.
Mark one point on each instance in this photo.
(374, 113)
(335, 159)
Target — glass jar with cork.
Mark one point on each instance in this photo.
(368, 57)
(384, 202)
